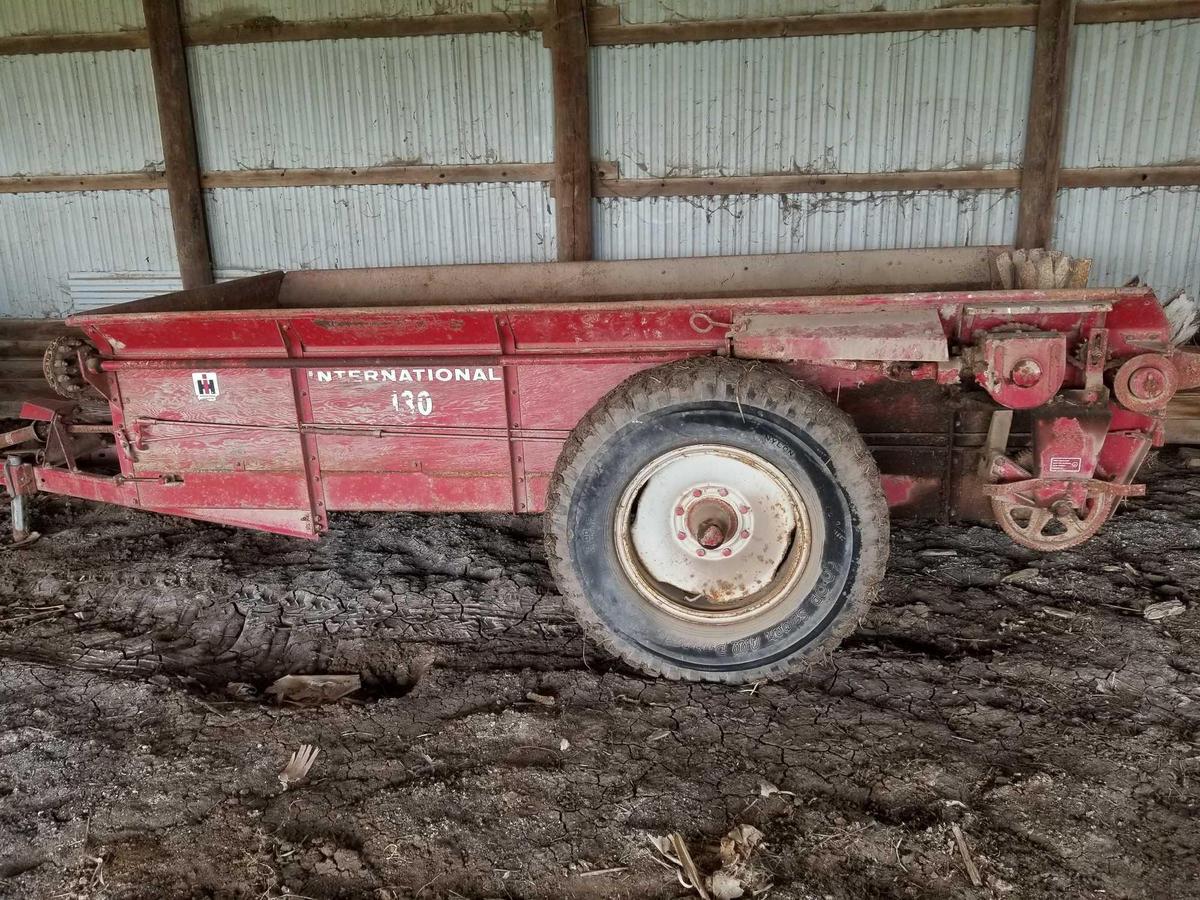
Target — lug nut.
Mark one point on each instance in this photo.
(745, 534)
(743, 509)
(700, 552)
(727, 552)
(724, 492)
(682, 535)
(697, 492)
(679, 510)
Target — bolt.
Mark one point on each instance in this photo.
(724, 492)
(682, 535)
(679, 510)
(745, 534)
(1026, 373)
(743, 509)
(700, 552)
(727, 552)
(1147, 383)
(697, 492)
(712, 536)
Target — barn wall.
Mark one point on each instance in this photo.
(931, 101)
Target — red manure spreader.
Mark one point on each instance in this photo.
(717, 444)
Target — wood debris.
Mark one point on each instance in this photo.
(1165, 609)
(965, 853)
(313, 690)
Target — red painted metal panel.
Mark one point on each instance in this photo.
(175, 430)
(394, 333)
(420, 396)
(195, 334)
(240, 490)
(559, 396)
(418, 491)
(89, 487)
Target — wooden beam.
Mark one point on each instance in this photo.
(182, 163)
(1094, 13)
(26, 44)
(607, 183)
(266, 29)
(1014, 15)
(465, 174)
(1044, 124)
(117, 181)
(1136, 176)
(604, 26)
(566, 35)
(806, 183)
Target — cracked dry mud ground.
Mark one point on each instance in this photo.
(1042, 714)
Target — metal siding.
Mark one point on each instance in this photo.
(640, 11)
(712, 226)
(444, 100)
(313, 10)
(46, 237)
(380, 225)
(1135, 94)
(889, 102)
(1151, 233)
(78, 113)
(69, 16)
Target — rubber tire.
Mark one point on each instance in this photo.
(758, 407)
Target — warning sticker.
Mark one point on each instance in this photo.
(1066, 464)
(206, 385)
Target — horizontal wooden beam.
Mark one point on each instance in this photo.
(604, 26)
(606, 182)
(805, 183)
(117, 181)
(1094, 13)
(266, 29)
(821, 24)
(28, 44)
(1131, 176)
(471, 173)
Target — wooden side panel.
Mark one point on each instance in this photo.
(250, 425)
(559, 396)
(427, 397)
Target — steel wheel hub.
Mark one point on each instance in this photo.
(712, 532)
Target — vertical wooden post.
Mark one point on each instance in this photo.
(179, 141)
(566, 36)
(1045, 124)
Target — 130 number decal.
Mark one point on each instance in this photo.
(420, 403)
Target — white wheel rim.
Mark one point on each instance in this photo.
(712, 533)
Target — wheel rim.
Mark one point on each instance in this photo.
(711, 533)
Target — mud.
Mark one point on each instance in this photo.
(493, 753)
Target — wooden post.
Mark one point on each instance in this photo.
(1045, 124)
(566, 36)
(179, 141)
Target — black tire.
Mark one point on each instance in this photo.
(756, 409)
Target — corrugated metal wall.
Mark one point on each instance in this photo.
(845, 103)
(1135, 100)
(888, 102)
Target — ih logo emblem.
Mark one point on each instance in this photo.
(206, 385)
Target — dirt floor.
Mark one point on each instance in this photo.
(493, 753)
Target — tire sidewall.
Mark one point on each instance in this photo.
(800, 619)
